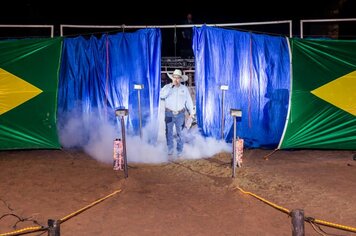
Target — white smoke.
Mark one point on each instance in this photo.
(96, 138)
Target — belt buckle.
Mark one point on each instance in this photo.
(175, 112)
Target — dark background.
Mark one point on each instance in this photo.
(151, 13)
(172, 12)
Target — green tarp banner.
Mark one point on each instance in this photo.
(323, 95)
(28, 93)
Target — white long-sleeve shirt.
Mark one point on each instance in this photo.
(177, 98)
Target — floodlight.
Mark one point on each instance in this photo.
(138, 86)
(224, 87)
(121, 112)
(236, 112)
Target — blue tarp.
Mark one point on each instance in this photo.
(256, 69)
(98, 75)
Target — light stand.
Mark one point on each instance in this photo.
(234, 113)
(122, 112)
(223, 88)
(138, 87)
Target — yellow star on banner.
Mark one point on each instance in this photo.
(14, 91)
(340, 92)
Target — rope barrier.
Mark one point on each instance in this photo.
(285, 210)
(24, 230)
(270, 154)
(39, 228)
(88, 206)
(307, 219)
(343, 227)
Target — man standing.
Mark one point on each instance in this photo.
(177, 101)
(187, 38)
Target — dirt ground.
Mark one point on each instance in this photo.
(183, 197)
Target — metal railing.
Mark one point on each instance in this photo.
(302, 23)
(50, 27)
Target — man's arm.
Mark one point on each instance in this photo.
(165, 91)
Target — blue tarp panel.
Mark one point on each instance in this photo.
(98, 75)
(256, 69)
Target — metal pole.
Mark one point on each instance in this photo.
(222, 114)
(54, 227)
(124, 146)
(297, 222)
(234, 150)
(235, 113)
(139, 112)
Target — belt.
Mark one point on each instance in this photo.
(175, 112)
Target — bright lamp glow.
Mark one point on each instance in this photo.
(138, 86)
(121, 112)
(224, 87)
(236, 112)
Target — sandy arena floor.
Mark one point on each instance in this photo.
(183, 197)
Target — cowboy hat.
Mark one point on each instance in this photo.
(178, 73)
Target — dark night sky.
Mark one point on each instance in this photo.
(171, 12)
(132, 12)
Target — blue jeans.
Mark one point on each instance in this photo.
(177, 121)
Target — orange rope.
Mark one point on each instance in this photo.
(23, 231)
(38, 228)
(308, 219)
(88, 206)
